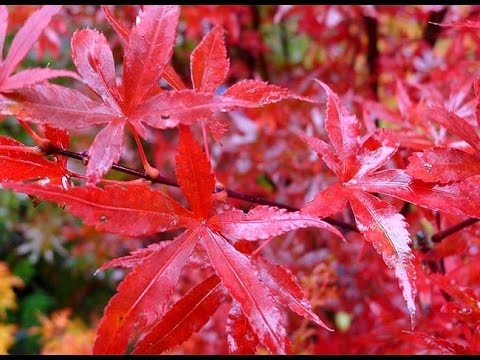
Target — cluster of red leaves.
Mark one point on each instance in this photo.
(218, 274)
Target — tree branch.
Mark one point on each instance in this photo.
(432, 31)
(439, 236)
(372, 54)
(170, 182)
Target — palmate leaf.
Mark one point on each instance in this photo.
(352, 161)
(151, 40)
(139, 101)
(139, 306)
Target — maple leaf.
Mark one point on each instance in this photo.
(375, 218)
(208, 69)
(357, 166)
(140, 302)
(445, 165)
(149, 48)
(21, 45)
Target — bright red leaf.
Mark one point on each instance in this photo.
(141, 299)
(186, 317)
(241, 279)
(143, 294)
(18, 164)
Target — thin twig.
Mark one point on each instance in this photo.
(170, 182)
(432, 30)
(439, 236)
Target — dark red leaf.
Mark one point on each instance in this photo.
(129, 210)
(184, 318)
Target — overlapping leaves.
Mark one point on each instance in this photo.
(141, 302)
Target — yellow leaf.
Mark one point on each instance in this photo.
(7, 337)
(7, 295)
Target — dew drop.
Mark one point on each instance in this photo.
(428, 167)
(103, 219)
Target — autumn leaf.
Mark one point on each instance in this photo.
(351, 161)
(21, 45)
(142, 297)
(148, 49)
(185, 317)
(20, 163)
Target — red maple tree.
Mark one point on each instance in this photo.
(402, 177)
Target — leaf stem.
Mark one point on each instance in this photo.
(40, 141)
(432, 30)
(150, 170)
(205, 141)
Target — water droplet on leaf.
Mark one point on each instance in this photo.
(428, 167)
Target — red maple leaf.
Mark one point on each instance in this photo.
(357, 165)
(140, 304)
(446, 165)
(149, 47)
(21, 45)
